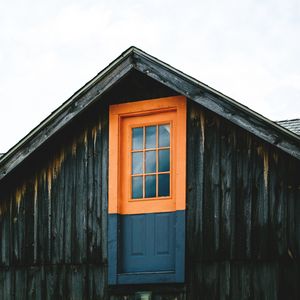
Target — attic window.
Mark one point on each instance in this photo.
(150, 161)
(147, 191)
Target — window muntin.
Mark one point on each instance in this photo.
(151, 161)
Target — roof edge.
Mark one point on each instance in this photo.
(123, 64)
(219, 103)
(214, 91)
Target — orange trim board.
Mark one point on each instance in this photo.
(122, 118)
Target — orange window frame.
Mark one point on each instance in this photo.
(122, 118)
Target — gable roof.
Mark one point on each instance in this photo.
(292, 125)
(134, 58)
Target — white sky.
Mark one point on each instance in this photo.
(248, 50)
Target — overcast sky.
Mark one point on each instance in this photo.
(248, 50)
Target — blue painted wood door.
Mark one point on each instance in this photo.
(148, 242)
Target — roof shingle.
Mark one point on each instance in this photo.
(292, 125)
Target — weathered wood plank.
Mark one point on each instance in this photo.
(291, 204)
(55, 282)
(29, 223)
(20, 287)
(42, 219)
(97, 282)
(265, 281)
(5, 232)
(228, 190)
(35, 278)
(195, 187)
(241, 281)
(69, 204)
(95, 231)
(288, 280)
(243, 184)
(91, 233)
(211, 207)
(104, 182)
(18, 225)
(58, 208)
(76, 283)
(79, 238)
(297, 209)
(224, 280)
(260, 201)
(278, 205)
(6, 284)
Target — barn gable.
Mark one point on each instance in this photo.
(242, 196)
(178, 82)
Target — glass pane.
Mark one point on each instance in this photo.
(150, 186)
(137, 163)
(137, 138)
(137, 187)
(164, 185)
(164, 135)
(150, 161)
(164, 160)
(150, 137)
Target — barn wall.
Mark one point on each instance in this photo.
(243, 207)
(53, 222)
(243, 222)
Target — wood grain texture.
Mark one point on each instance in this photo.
(243, 205)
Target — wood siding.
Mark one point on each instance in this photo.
(243, 217)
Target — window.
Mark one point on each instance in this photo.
(146, 206)
(150, 161)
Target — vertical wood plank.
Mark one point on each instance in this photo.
(212, 188)
(76, 276)
(81, 203)
(20, 283)
(291, 205)
(225, 271)
(34, 283)
(5, 232)
(104, 182)
(29, 223)
(6, 284)
(97, 282)
(260, 201)
(195, 175)
(69, 168)
(58, 209)
(243, 195)
(18, 226)
(278, 205)
(228, 190)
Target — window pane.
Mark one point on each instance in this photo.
(150, 186)
(137, 138)
(137, 163)
(164, 160)
(150, 161)
(164, 136)
(164, 185)
(150, 137)
(137, 187)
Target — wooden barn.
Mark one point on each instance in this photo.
(148, 184)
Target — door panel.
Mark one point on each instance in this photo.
(147, 242)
